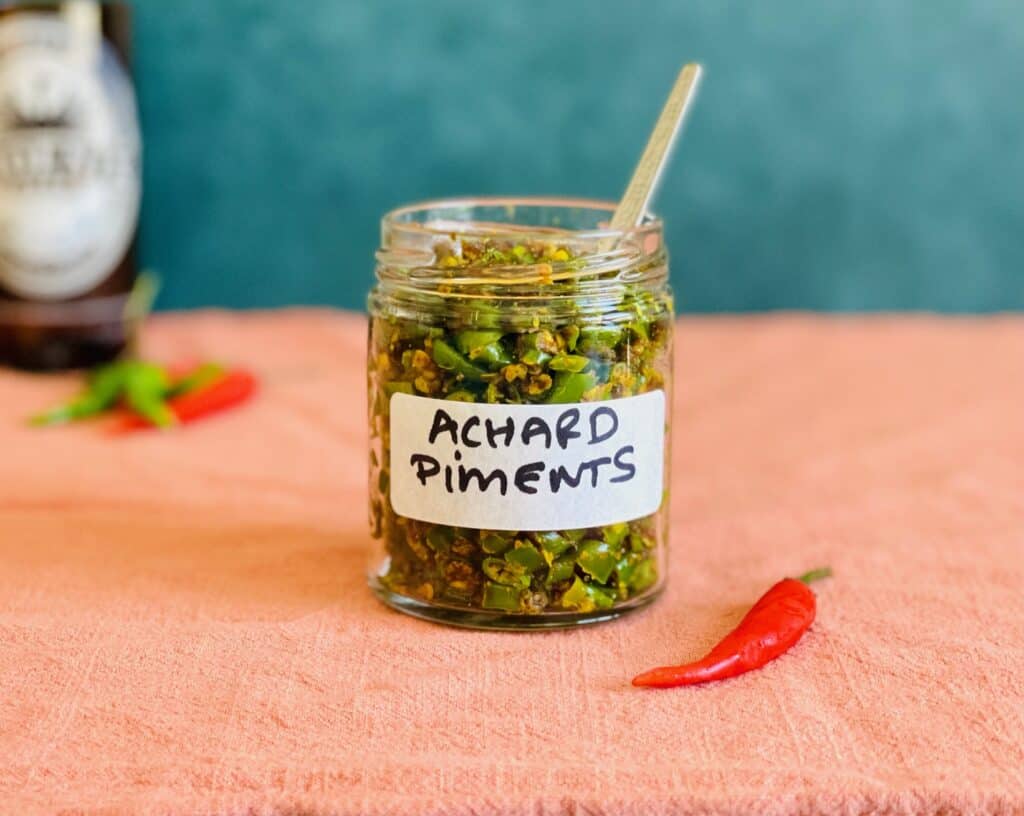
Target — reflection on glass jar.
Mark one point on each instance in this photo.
(520, 364)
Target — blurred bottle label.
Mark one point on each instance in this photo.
(69, 157)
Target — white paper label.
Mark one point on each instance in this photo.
(527, 467)
(69, 158)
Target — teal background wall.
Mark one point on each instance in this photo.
(843, 155)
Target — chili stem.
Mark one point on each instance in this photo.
(815, 575)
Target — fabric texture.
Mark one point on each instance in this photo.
(185, 626)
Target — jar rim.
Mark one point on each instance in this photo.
(399, 221)
(601, 257)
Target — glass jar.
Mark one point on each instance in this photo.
(520, 370)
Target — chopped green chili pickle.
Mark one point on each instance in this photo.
(519, 373)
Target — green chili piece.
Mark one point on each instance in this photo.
(615, 534)
(585, 597)
(534, 357)
(597, 560)
(457, 591)
(638, 542)
(523, 255)
(599, 393)
(483, 347)
(499, 596)
(525, 555)
(598, 339)
(450, 360)
(562, 569)
(553, 544)
(492, 393)
(536, 348)
(503, 573)
(468, 340)
(461, 396)
(568, 362)
(475, 315)
(412, 330)
(570, 386)
(398, 387)
(494, 356)
(640, 328)
(495, 543)
(439, 538)
(645, 574)
(624, 571)
(462, 546)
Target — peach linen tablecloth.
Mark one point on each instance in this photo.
(185, 628)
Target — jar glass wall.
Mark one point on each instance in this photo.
(520, 367)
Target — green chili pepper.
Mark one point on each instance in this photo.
(499, 596)
(103, 390)
(635, 573)
(640, 329)
(571, 334)
(562, 569)
(568, 362)
(196, 379)
(599, 339)
(144, 388)
(585, 597)
(412, 330)
(469, 340)
(644, 575)
(526, 556)
(502, 573)
(398, 387)
(624, 571)
(615, 534)
(553, 544)
(597, 560)
(523, 255)
(483, 346)
(493, 355)
(439, 538)
(536, 348)
(473, 315)
(449, 359)
(494, 543)
(570, 386)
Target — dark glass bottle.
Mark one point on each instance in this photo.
(70, 182)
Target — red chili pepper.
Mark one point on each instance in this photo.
(233, 388)
(774, 624)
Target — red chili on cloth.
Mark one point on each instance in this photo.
(226, 391)
(185, 626)
(771, 628)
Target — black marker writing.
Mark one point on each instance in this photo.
(603, 411)
(601, 424)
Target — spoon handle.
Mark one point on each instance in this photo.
(644, 182)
